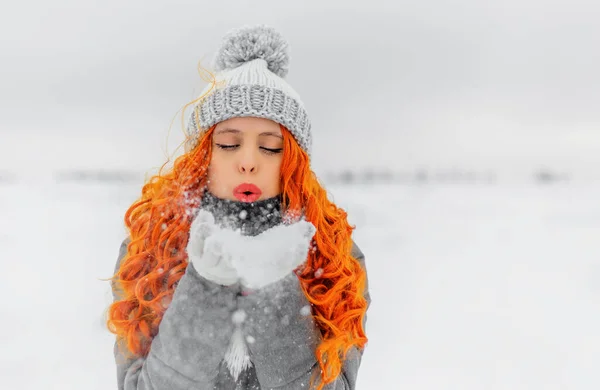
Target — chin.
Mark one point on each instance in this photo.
(228, 195)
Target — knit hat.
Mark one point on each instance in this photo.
(250, 68)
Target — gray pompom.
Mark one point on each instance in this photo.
(249, 43)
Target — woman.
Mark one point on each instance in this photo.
(238, 272)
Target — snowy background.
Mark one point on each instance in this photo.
(462, 137)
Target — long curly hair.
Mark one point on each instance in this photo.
(156, 258)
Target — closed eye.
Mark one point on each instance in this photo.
(271, 151)
(227, 147)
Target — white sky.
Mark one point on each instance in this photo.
(476, 84)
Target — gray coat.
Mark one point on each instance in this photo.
(195, 331)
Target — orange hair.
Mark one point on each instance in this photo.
(156, 258)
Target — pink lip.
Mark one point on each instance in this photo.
(247, 192)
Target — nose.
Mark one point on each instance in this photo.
(247, 168)
(248, 162)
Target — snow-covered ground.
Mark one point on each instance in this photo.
(473, 287)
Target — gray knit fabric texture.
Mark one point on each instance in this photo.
(257, 101)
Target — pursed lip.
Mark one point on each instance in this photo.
(247, 192)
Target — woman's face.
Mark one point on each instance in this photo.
(246, 159)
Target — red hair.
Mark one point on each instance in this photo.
(156, 258)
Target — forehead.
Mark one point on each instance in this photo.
(248, 126)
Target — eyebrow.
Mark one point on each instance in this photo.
(271, 133)
(236, 131)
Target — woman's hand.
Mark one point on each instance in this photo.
(225, 256)
(206, 250)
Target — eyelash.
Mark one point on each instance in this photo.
(233, 147)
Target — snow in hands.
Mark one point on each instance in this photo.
(226, 256)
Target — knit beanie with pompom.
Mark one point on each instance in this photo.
(250, 66)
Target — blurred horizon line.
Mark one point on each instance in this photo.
(364, 175)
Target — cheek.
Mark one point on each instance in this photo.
(275, 175)
(216, 173)
(217, 164)
(213, 168)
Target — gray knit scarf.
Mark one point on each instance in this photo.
(251, 218)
